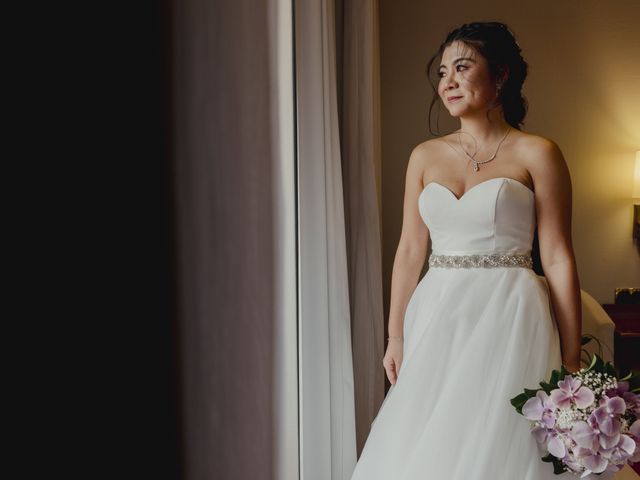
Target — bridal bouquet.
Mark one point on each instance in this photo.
(588, 421)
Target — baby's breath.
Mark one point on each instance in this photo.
(566, 417)
(624, 424)
(597, 382)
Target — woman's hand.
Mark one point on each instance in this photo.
(393, 358)
(572, 367)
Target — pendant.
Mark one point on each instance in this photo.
(475, 166)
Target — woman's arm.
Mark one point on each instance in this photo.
(552, 184)
(412, 247)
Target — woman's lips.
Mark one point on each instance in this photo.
(453, 99)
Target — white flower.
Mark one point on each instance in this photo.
(565, 417)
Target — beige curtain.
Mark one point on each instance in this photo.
(342, 322)
(234, 201)
(327, 428)
(235, 206)
(359, 94)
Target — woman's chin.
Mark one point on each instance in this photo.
(456, 112)
(466, 113)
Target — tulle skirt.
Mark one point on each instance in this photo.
(473, 339)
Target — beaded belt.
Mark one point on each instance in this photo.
(489, 260)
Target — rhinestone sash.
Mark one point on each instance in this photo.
(489, 260)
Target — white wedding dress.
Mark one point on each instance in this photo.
(473, 339)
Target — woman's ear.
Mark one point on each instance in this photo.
(503, 76)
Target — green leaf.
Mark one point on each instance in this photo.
(587, 338)
(548, 458)
(558, 466)
(634, 381)
(599, 364)
(556, 376)
(551, 384)
(519, 400)
(610, 369)
(563, 373)
(547, 387)
(593, 363)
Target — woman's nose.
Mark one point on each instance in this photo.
(450, 82)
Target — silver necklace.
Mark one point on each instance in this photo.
(481, 162)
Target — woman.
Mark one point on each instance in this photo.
(481, 325)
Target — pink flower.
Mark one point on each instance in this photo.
(607, 414)
(636, 454)
(631, 399)
(633, 402)
(635, 431)
(589, 435)
(540, 408)
(586, 436)
(551, 439)
(570, 461)
(595, 462)
(570, 391)
(621, 451)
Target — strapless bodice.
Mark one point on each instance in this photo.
(497, 215)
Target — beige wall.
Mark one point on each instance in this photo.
(584, 93)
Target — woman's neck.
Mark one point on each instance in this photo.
(485, 131)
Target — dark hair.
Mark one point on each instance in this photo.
(497, 44)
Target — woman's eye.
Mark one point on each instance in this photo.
(459, 68)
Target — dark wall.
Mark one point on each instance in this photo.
(183, 150)
(139, 224)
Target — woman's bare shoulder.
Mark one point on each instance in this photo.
(428, 149)
(533, 145)
(542, 156)
(430, 155)
(424, 146)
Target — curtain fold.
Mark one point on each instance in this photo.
(232, 186)
(358, 46)
(327, 398)
(232, 166)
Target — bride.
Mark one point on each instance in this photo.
(471, 80)
(481, 325)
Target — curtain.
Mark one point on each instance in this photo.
(233, 188)
(358, 43)
(241, 279)
(328, 447)
(342, 322)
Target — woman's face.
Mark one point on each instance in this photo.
(465, 74)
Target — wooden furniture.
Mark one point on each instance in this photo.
(626, 336)
(625, 314)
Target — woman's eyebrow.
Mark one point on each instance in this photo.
(457, 60)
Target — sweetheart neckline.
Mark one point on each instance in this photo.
(476, 185)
